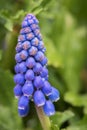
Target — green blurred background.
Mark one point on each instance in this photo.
(63, 25)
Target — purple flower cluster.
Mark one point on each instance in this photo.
(31, 77)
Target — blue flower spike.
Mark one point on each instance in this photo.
(31, 77)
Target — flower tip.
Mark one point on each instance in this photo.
(49, 108)
(55, 95)
(23, 112)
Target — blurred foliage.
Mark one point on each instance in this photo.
(64, 28)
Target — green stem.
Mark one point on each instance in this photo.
(45, 122)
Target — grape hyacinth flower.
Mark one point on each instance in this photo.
(31, 76)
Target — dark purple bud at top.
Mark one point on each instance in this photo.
(30, 21)
(29, 16)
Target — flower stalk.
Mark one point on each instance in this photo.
(44, 120)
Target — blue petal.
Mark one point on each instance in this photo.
(39, 56)
(47, 89)
(38, 68)
(23, 54)
(24, 24)
(35, 41)
(38, 82)
(18, 58)
(23, 102)
(39, 98)
(29, 75)
(49, 108)
(16, 68)
(44, 72)
(19, 79)
(54, 95)
(32, 51)
(23, 112)
(22, 67)
(28, 89)
(30, 62)
(44, 61)
(18, 91)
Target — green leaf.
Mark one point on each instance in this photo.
(76, 99)
(67, 48)
(6, 87)
(56, 80)
(54, 127)
(77, 8)
(9, 25)
(11, 20)
(19, 14)
(7, 120)
(52, 54)
(43, 5)
(79, 125)
(71, 52)
(4, 14)
(7, 4)
(60, 117)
